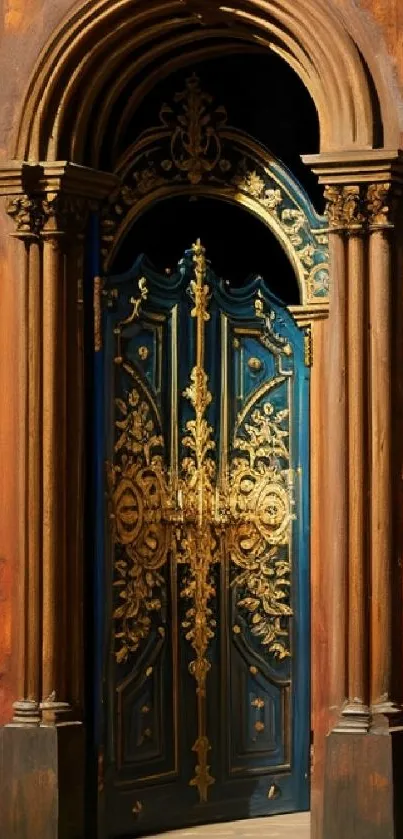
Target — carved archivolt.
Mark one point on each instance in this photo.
(76, 83)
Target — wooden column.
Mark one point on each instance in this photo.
(27, 217)
(364, 751)
(347, 444)
(381, 407)
(334, 470)
(54, 471)
(75, 468)
(63, 434)
(34, 472)
(49, 740)
(357, 685)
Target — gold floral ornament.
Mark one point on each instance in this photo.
(261, 515)
(137, 493)
(195, 140)
(198, 539)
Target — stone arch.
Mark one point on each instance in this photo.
(85, 66)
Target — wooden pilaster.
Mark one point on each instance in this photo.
(50, 205)
(365, 743)
(380, 354)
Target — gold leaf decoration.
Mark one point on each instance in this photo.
(137, 490)
(261, 514)
(198, 545)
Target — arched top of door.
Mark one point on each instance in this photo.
(104, 52)
(192, 151)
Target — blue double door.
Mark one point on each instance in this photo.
(204, 520)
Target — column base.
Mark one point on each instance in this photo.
(355, 719)
(42, 781)
(363, 778)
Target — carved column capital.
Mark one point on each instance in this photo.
(64, 215)
(345, 207)
(27, 214)
(381, 200)
(56, 215)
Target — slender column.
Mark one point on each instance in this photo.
(34, 473)
(75, 470)
(348, 449)
(357, 689)
(334, 474)
(337, 473)
(63, 429)
(27, 216)
(381, 532)
(54, 540)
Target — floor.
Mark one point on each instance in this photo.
(294, 826)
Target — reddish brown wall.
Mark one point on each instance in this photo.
(388, 15)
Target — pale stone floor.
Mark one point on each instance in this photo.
(294, 826)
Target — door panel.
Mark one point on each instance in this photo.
(206, 681)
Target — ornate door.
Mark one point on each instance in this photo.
(206, 676)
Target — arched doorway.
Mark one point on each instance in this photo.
(194, 173)
(77, 99)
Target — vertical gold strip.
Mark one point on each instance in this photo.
(224, 406)
(97, 314)
(174, 398)
(226, 716)
(174, 485)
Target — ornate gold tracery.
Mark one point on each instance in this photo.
(199, 517)
(193, 151)
(137, 489)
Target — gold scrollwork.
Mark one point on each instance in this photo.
(261, 515)
(198, 542)
(137, 491)
(247, 511)
(378, 201)
(192, 148)
(195, 140)
(345, 207)
(98, 285)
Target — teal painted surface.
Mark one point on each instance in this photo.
(143, 763)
